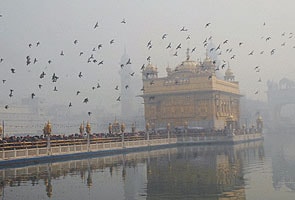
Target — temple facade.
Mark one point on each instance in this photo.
(190, 94)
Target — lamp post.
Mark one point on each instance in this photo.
(147, 127)
(81, 129)
(133, 128)
(47, 133)
(185, 129)
(110, 129)
(122, 131)
(1, 132)
(88, 131)
(168, 131)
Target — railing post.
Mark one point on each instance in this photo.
(168, 131)
(88, 130)
(47, 132)
(147, 127)
(123, 138)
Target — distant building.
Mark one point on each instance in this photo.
(191, 93)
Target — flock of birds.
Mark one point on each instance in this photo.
(223, 48)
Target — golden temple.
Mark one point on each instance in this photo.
(190, 94)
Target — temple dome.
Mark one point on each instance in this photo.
(187, 65)
(228, 72)
(150, 67)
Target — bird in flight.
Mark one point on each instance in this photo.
(169, 46)
(75, 41)
(85, 100)
(142, 67)
(55, 89)
(96, 25)
(132, 74)
(149, 43)
(78, 92)
(183, 29)
(117, 87)
(10, 94)
(123, 21)
(42, 75)
(207, 25)
(164, 36)
(89, 113)
(54, 77)
(32, 95)
(179, 46)
(119, 98)
(12, 70)
(112, 41)
(128, 62)
(70, 104)
(62, 53)
(6, 107)
(80, 75)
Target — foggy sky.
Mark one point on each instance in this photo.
(57, 23)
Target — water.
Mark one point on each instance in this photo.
(257, 170)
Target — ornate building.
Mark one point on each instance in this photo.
(192, 94)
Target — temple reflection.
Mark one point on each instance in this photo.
(198, 172)
(203, 172)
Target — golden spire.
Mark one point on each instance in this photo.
(187, 54)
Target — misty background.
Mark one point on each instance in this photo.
(258, 35)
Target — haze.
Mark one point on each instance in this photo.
(56, 24)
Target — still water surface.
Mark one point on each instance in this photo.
(257, 170)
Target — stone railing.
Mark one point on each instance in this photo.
(80, 148)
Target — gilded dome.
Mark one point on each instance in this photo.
(187, 65)
(150, 67)
(228, 72)
(259, 118)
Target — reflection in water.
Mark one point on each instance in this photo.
(201, 172)
(191, 172)
(283, 162)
